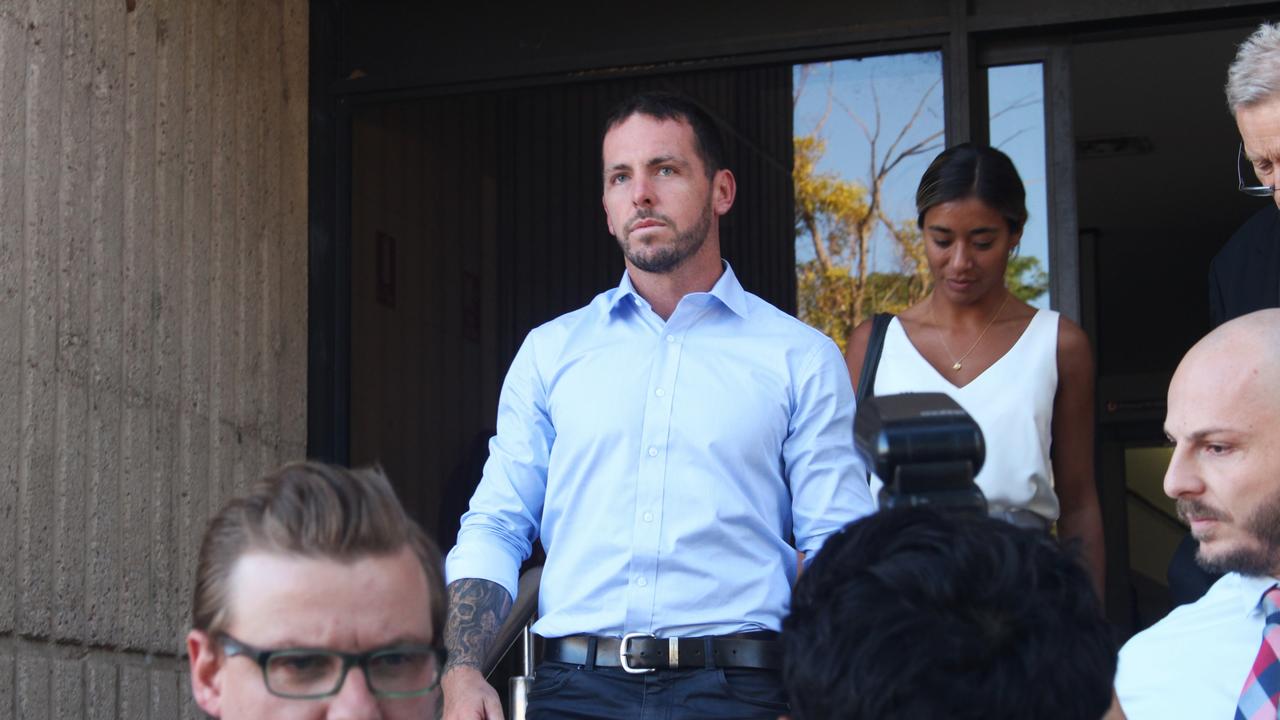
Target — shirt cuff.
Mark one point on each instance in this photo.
(483, 559)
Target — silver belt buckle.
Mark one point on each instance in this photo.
(623, 653)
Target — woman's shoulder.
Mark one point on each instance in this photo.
(856, 347)
(1075, 353)
(1071, 337)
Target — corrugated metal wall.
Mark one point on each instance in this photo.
(152, 324)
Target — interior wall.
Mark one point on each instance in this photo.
(424, 376)
(152, 325)
(1157, 217)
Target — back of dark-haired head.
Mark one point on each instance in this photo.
(912, 614)
(309, 509)
(969, 170)
(662, 105)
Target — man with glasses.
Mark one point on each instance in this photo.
(317, 598)
(1245, 274)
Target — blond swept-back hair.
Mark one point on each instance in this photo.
(309, 509)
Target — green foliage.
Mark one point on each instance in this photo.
(826, 296)
(1025, 278)
(828, 208)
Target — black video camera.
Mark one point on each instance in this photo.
(925, 448)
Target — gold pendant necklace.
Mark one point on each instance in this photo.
(957, 362)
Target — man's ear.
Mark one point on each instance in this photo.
(608, 220)
(206, 659)
(724, 188)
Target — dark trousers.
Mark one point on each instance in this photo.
(575, 692)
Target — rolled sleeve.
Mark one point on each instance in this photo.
(826, 476)
(498, 531)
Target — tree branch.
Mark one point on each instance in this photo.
(819, 246)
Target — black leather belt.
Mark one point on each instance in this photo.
(641, 653)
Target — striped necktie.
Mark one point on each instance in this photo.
(1261, 694)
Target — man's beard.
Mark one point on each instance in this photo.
(668, 258)
(1263, 525)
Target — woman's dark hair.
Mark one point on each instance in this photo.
(969, 170)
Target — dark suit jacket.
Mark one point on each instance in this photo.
(1245, 275)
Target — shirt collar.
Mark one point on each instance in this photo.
(1251, 589)
(727, 290)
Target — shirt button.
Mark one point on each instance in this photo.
(653, 452)
(671, 338)
(642, 582)
(660, 392)
(648, 517)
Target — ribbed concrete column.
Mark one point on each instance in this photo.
(152, 324)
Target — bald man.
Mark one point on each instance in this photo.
(1245, 275)
(1209, 659)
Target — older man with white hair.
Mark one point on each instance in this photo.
(1217, 657)
(1245, 275)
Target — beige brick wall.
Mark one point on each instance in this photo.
(152, 324)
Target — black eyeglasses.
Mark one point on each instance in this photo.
(1253, 190)
(398, 671)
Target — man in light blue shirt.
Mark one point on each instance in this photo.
(666, 442)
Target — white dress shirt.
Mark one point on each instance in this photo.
(1193, 663)
(666, 465)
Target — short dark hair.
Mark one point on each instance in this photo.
(662, 105)
(968, 170)
(310, 509)
(913, 613)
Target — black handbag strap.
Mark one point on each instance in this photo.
(871, 359)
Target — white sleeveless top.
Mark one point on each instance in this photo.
(1012, 401)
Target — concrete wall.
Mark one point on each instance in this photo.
(152, 324)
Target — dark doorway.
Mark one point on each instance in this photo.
(1157, 196)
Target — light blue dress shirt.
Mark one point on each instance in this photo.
(666, 465)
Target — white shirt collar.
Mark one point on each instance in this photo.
(1250, 589)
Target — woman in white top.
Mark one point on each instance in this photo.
(1026, 376)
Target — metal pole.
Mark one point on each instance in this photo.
(518, 685)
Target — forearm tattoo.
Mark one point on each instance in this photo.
(477, 609)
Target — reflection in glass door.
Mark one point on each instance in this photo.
(1015, 111)
(865, 130)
